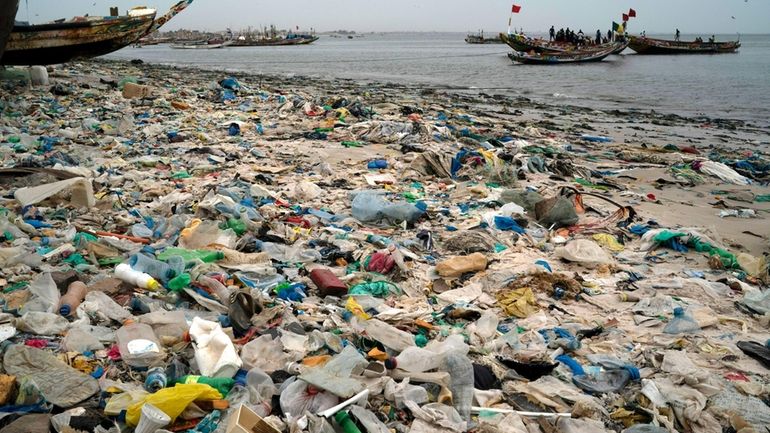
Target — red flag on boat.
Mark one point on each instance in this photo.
(631, 13)
(516, 9)
(625, 18)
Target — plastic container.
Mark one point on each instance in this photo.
(328, 283)
(415, 360)
(76, 293)
(161, 271)
(138, 345)
(682, 323)
(152, 419)
(388, 335)
(139, 279)
(460, 369)
(205, 256)
(346, 422)
(156, 379)
(179, 282)
(370, 206)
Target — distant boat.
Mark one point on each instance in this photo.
(291, 39)
(645, 45)
(81, 37)
(7, 16)
(202, 46)
(561, 58)
(480, 39)
(525, 44)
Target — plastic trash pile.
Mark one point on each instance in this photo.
(200, 253)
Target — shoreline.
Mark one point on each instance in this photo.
(562, 125)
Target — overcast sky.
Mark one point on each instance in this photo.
(690, 16)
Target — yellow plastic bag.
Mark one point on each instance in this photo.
(172, 401)
(608, 241)
(354, 307)
(519, 302)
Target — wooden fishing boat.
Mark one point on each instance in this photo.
(645, 45)
(278, 41)
(82, 37)
(7, 15)
(201, 46)
(560, 58)
(480, 39)
(523, 44)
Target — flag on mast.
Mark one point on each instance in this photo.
(632, 13)
(516, 9)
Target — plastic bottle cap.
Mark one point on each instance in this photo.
(678, 312)
(391, 363)
(65, 310)
(153, 285)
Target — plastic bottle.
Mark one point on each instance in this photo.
(682, 323)
(76, 293)
(138, 345)
(414, 360)
(156, 380)
(346, 422)
(206, 256)
(380, 241)
(388, 335)
(221, 384)
(460, 369)
(179, 282)
(139, 279)
(155, 268)
(220, 290)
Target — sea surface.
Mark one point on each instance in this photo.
(730, 86)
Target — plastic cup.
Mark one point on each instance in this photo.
(152, 419)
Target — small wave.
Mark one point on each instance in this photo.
(563, 96)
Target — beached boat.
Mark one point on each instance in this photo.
(82, 37)
(561, 58)
(7, 16)
(480, 39)
(645, 45)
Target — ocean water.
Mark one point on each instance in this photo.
(731, 86)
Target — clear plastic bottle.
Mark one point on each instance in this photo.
(415, 360)
(460, 369)
(161, 271)
(138, 345)
(76, 293)
(388, 335)
(682, 323)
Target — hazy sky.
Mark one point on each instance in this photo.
(690, 16)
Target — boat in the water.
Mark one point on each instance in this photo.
(524, 44)
(645, 45)
(271, 36)
(587, 56)
(7, 16)
(82, 37)
(481, 39)
(201, 45)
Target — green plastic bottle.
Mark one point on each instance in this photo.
(346, 422)
(238, 226)
(205, 256)
(221, 384)
(179, 282)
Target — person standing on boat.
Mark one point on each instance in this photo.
(598, 37)
(609, 35)
(712, 39)
(676, 38)
(552, 34)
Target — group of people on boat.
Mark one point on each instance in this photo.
(579, 38)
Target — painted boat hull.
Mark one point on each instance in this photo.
(560, 58)
(661, 46)
(8, 10)
(275, 43)
(48, 44)
(524, 45)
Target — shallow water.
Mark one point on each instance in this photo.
(733, 86)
